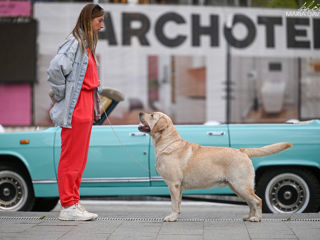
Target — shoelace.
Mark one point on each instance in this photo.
(80, 207)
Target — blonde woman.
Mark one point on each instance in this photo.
(74, 85)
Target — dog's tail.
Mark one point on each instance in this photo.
(266, 150)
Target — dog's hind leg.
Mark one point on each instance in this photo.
(176, 195)
(180, 199)
(255, 203)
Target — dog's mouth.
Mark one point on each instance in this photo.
(144, 128)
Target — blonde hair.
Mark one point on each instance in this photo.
(83, 29)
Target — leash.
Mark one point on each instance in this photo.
(125, 148)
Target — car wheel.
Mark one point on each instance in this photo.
(44, 204)
(16, 193)
(289, 191)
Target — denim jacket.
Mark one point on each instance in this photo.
(66, 73)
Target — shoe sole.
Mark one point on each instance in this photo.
(94, 218)
(76, 219)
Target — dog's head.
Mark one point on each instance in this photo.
(154, 122)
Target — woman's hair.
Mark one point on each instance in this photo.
(83, 29)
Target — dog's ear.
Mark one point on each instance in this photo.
(161, 125)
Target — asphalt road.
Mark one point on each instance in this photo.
(143, 220)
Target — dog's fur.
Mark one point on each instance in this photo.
(185, 165)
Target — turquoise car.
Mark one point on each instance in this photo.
(121, 161)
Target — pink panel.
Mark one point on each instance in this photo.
(15, 104)
(15, 9)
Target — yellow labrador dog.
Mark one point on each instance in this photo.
(185, 165)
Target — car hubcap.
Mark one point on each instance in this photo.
(287, 193)
(13, 191)
(6, 192)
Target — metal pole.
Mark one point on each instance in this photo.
(229, 25)
(228, 85)
(299, 80)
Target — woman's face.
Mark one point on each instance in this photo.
(97, 24)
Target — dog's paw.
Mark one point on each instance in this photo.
(246, 218)
(171, 218)
(252, 219)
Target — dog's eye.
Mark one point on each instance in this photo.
(152, 115)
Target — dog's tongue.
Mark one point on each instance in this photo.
(143, 128)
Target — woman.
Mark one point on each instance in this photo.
(74, 85)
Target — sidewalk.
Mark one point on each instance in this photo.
(143, 220)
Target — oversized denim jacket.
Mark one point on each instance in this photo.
(66, 73)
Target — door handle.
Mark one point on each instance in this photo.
(137, 134)
(219, 133)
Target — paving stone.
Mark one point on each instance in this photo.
(144, 222)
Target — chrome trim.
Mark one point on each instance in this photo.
(157, 179)
(115, 180)
(105, 180)
(44, 181)
(100, 180)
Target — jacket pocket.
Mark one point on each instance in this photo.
(58, 91)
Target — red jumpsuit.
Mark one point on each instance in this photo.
(75, 141)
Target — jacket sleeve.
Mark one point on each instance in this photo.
(60, 67)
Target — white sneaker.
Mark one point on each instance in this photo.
(73, 213)
(81, 208)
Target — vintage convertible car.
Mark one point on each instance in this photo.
(121, 161)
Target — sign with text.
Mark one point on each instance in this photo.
(207, 30)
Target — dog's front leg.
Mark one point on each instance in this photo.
(175, 194)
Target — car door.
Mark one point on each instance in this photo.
(118, 157)
(259, 135)
(206, 135)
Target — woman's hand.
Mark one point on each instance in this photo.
(51, 95)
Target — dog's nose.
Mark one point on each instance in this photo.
(141, 114)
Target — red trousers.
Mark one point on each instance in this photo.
(74, 149)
